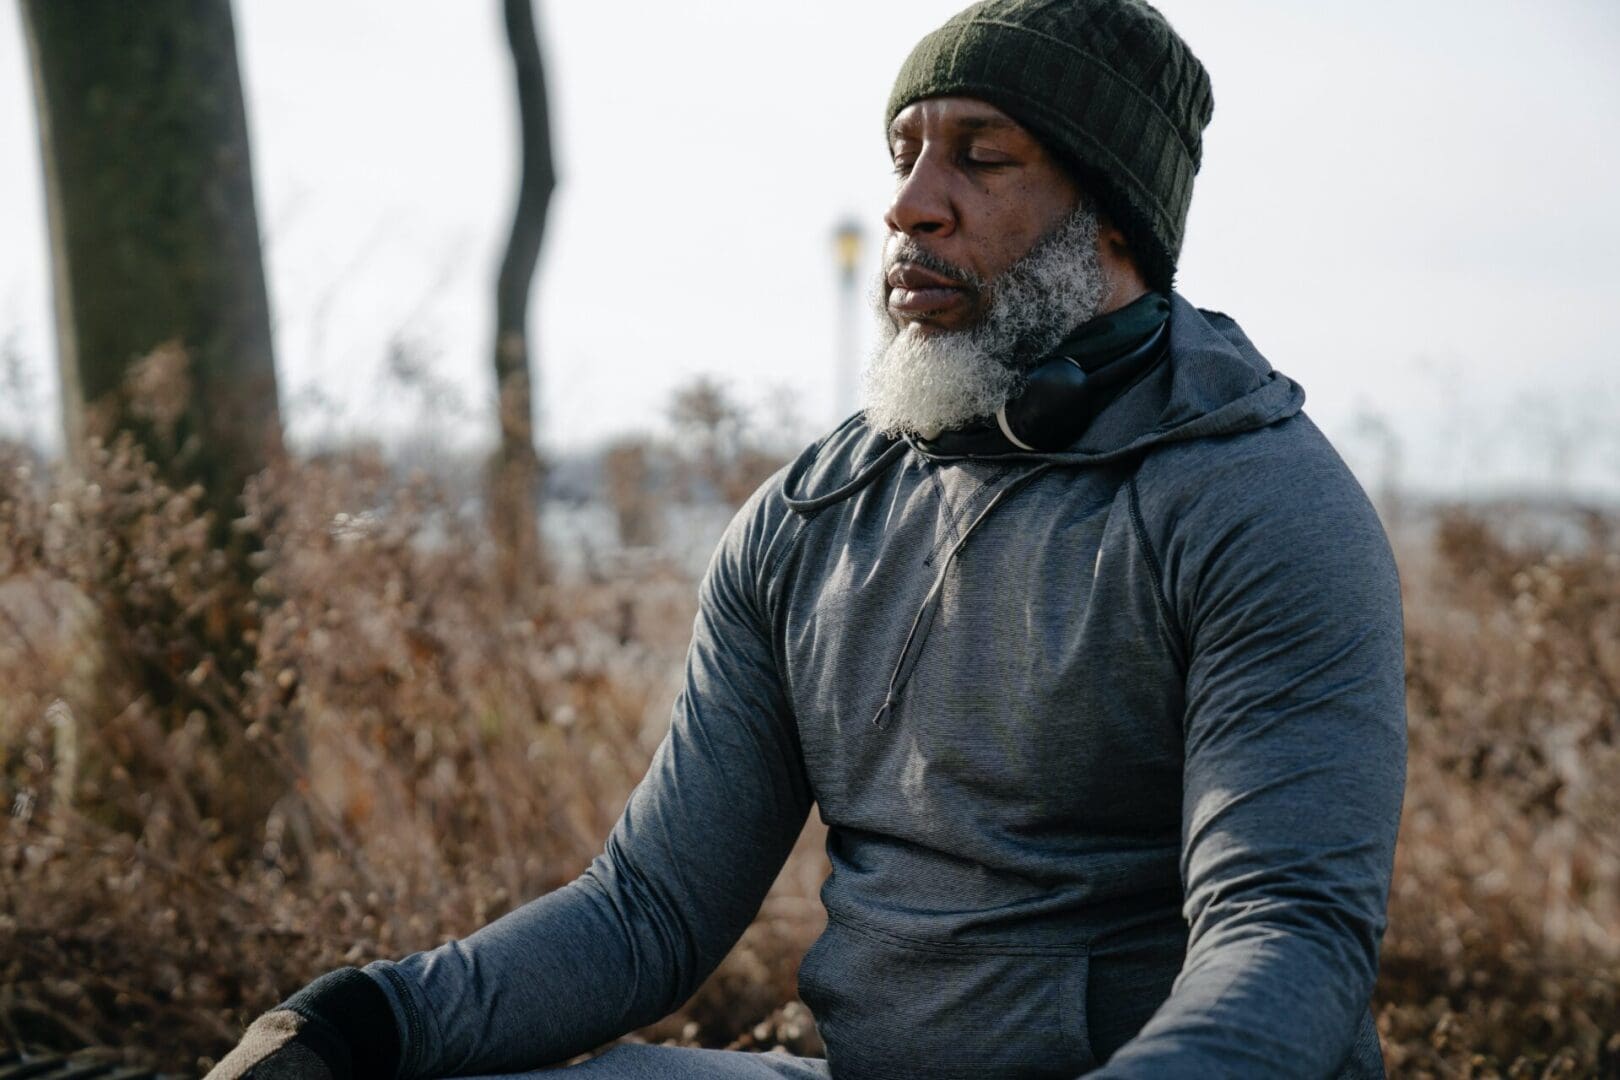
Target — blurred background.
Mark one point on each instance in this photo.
(263, 714)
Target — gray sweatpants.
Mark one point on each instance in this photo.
(634, 1061)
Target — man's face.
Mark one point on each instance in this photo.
(974, 193)
(992, 259)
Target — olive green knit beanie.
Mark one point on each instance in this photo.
(1106, 85)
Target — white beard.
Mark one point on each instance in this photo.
(924, 382)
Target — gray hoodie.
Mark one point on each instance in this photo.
(1110, 744)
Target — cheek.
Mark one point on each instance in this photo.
(1004, 241)
(1020, 216)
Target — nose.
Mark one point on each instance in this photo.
(921, 202)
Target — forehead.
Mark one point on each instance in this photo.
(943, 116)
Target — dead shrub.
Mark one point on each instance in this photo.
(408, 751)
(1503, 952)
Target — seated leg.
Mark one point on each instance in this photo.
(636, 1061)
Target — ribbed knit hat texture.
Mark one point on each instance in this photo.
(1106, 85)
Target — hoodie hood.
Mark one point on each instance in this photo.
(1212, 382)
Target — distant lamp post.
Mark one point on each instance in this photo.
(848, 239)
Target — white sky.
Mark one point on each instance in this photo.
(1410, 205)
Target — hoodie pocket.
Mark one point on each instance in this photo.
(890, 1007)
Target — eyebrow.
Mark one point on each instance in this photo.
(970, 124)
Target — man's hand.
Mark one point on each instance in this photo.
(272, 1049)
(339, 1027)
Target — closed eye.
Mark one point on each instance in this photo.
(979, 159)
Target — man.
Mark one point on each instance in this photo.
(1081, 637)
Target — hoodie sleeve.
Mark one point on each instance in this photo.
(1281, 582)
(682, 875)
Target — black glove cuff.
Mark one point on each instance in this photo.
(347, 1011)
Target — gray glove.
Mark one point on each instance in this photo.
(339, 1027)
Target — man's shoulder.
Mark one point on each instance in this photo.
(1265, 519)
(1283, 470)
(1291, 445)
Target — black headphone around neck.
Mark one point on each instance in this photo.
(1060, 399)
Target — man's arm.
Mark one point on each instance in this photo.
(1282, 582)
(683, 873)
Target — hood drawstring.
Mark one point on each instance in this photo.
(862, 478)
(930, 606)
(924, 618)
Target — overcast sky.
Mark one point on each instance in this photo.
(1410, 205)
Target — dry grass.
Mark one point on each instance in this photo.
(406, 755)
(404, 750)
(1503, 953)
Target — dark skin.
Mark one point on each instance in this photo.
(976, 191)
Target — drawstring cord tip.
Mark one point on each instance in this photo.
(883, 713)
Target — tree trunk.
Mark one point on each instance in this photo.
(163, 321)
(163, 329)
(515, 472)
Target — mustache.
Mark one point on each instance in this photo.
(905, 249)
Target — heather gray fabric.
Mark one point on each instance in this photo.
(638, 1062)
(1133, 801)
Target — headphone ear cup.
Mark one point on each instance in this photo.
(1053, 409)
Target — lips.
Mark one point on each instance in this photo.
(908, 275)
(917, 292)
